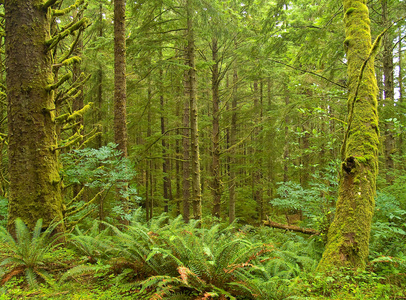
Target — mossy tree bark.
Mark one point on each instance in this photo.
(35, 190)
(348, 236)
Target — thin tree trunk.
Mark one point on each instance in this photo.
(99, 97)
(194, 134)
(120, 94)
(165, 163)
(401, 117)
(215, 167)
(186, 151)
(389, 95)
(233, 138)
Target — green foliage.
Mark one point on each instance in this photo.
(347, 284)
(96, 168)
(92, 245)
(28, 253)
(316, 202)
(3, 211)
(103, 170)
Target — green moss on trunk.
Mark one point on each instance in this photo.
(348, 236)
(33, 166)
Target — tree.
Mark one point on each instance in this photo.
(35, 191)
(194, 134)
(348, 236)
(120, 95)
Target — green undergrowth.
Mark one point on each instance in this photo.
(168, 259)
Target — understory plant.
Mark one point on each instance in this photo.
(29, 253)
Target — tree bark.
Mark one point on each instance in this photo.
(233, 138)
(99, 97)
(215, 167)
(120, 96)
(348, 236)
(35, 190)
(186, 151)
(194, 133)
(389, 95)
(120, 92)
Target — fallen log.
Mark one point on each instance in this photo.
(295, 228)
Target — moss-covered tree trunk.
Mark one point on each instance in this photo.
(348, 236)
(33, 161)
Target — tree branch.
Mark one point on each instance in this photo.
(294, 228)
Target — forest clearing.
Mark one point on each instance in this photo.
(202, 149)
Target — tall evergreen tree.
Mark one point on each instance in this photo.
(35, 190)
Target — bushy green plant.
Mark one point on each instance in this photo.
(208, 261)
(316, 202)
(93, 244)
(29, 253)
(103, 171)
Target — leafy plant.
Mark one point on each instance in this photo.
(208, 261)
(316, 202)
(29, 253)
(92, 244)
(103, 170)
(3, 211)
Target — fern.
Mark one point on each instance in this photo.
(28, 253)
(94, 245)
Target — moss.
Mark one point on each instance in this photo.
(348, 236)
(350, 10)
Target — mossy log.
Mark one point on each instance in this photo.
(294, 228)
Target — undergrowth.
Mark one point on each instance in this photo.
(168, 259)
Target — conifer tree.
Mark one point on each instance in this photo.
(35, 190)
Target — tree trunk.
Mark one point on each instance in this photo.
(167, 189)
(233, 138)
(186, 151)
(194, 134)
(389, 95)
(99, 116)
(401, 117)
(120, 96)
(348, 236)
(35, 190)
(215, 167)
